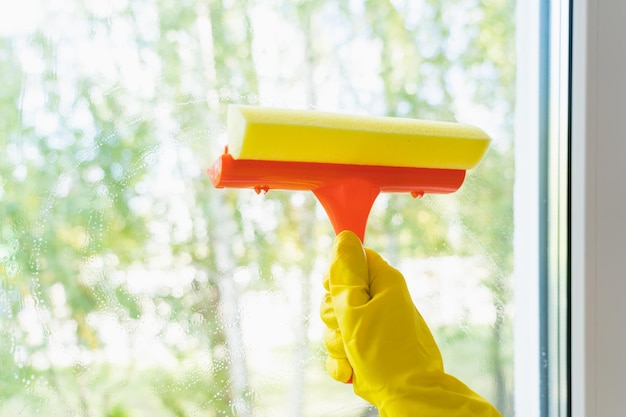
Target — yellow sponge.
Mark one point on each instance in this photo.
(261, 133)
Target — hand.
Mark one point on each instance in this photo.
(378, 340)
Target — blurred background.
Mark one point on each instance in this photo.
(130, 287)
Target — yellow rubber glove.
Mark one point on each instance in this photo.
(377, 340)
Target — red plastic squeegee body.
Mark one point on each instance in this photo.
(347, 192)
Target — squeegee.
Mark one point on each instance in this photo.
(346, 160)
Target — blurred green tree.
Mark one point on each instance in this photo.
(109, 115)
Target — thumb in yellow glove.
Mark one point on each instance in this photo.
(377, 340)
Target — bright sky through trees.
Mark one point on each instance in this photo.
(130, 287)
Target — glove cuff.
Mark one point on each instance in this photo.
(443, 396)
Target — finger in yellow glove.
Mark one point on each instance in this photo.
(378, 340)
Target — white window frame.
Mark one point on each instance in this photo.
(598, 209)
(586, 218)
(526, 213)
(541, 209)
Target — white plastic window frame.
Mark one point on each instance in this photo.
(542, 209)
(526, 213)
(598, 209)
(581, 363)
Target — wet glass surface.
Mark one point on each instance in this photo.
(130, 287)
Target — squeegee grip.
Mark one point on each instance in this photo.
(348, 203)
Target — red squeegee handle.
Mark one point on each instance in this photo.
(347, 192)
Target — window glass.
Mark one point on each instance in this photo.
(129, 286)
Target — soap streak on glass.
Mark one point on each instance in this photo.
(130, 287)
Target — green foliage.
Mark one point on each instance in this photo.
(90, 145)
(462, 348)
(118, 411)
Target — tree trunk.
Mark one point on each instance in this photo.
(220, 234)
(305, 227)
